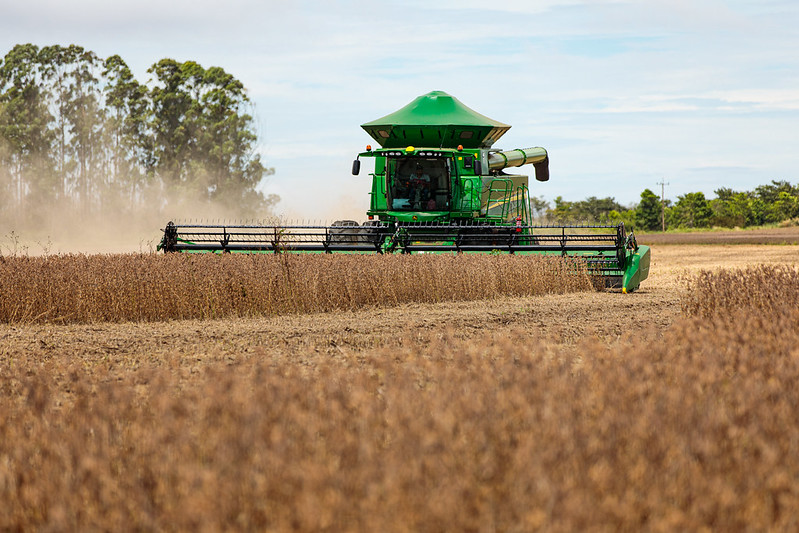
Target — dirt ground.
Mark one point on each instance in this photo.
(563, 318)
(787, 235)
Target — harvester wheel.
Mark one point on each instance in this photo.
(370, 231)
(487, 235)
(341, 234)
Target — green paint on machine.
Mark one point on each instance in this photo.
(438, 186)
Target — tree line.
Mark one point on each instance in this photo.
(767, 204)
(82, 132)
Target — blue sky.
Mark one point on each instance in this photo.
(623, 94)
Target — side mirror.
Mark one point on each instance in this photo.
(478, 167)
(356, 167)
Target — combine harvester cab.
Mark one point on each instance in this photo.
(437, 187)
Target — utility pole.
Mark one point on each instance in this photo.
(663, 184)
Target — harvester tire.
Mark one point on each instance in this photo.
(341, 235)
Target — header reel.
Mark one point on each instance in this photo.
(606, 250)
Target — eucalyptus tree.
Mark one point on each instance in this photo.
(233, 168)
(204, 136)
(70, 76)
(55, 61)
(82, 130)
(25, 136)
(129, 144)
(86, 118)
(172, 113)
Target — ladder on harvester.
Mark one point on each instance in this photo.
(506, 203)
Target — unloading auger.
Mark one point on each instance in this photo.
(437, 187)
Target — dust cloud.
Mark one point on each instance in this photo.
(138, 228)
(63, 230)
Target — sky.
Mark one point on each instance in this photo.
(624, 95)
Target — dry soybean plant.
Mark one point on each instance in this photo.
(762, 289)
(694, 432)
(150, 287)
(688, 429)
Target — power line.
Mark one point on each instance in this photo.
(663, 184)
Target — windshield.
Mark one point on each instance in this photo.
(419, 184)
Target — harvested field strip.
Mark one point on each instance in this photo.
(149, 287)
(695, 431)
(786, 235)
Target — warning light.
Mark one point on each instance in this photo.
(460, 148)
(368, 147)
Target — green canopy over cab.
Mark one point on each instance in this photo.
(436, 119)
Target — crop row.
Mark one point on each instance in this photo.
(150, 287)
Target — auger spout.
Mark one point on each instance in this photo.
(536, 156)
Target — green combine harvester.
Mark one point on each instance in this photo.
(438, 187)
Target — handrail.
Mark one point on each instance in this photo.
(508, 187)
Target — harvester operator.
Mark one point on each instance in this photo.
(420, 187)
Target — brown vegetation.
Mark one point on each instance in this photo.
(146, 287)
(687, 428)
(765, 290)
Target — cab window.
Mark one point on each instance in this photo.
(418, 184)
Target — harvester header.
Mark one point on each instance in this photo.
(438, 186)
